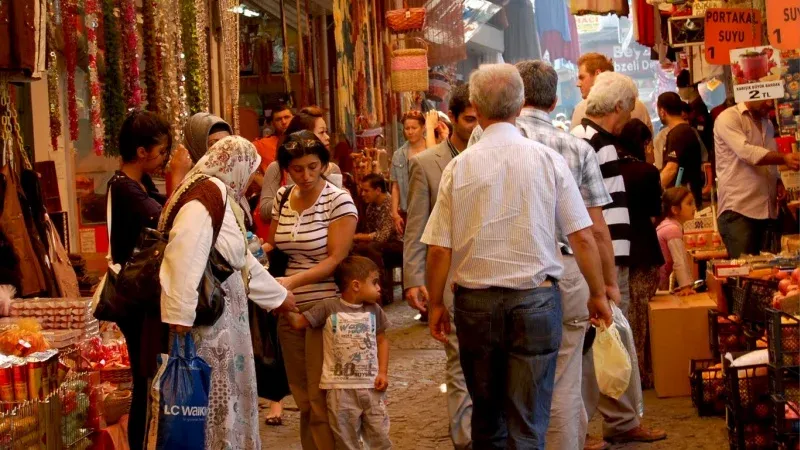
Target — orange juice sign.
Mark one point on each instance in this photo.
(731, 28)
(783, 23)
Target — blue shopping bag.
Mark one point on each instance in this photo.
(179, 400)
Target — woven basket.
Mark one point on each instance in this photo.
(410, 68)
(116, 405)
(120, 376)
(406, 19)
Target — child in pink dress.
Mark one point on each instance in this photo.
(677, 207)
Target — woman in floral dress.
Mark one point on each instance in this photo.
(232, 421)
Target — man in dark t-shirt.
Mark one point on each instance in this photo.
(683, 149)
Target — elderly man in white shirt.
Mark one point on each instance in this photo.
(495, 222)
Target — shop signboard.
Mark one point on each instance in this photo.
(756, 74)
(783, 24)
(789, 105)
(728, 29)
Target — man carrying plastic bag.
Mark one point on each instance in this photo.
(179, 400)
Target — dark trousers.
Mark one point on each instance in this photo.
(741, 234)
(137, 418)
(509, 343)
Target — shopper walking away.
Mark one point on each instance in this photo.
(354, 378)
(643, 188)
(746, 159)
(426, 173)
(506, 266)
(608, 109)
(568, 421)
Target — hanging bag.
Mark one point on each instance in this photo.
(612, 364)
(137, 287)
(103, 299)
(406, 19)
(64, 274)
(179, 399)
(410, 67)
(279, 260)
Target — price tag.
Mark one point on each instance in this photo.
(758, 91)
(730, 28)
(783, 24)
(756, 74)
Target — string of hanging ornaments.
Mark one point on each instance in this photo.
(113, 99)
(95, 94)
(53, 99)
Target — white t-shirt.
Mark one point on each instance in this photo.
(349, 342)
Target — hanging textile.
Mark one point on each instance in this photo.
(552, 15)
(557, 48)
(599, 7)
(520, 37)
(23, 33)
(644, 23)
(345, 82)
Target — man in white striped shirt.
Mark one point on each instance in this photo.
(496, 220)
(608, 108)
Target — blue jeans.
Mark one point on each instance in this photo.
(509, 344)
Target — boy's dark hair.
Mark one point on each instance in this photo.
(459, 100)
(376, 181)
(353, 268)
(142, 129)
(300, 144)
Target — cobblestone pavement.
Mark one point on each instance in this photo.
(418, 410)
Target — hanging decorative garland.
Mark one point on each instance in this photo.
(151, 47)
(53, 98)
(92, 9)
(113, 99)
(202, 54)
(230, 47)
(173, 97)
(70, 28)
(133, 92)
(193, 83)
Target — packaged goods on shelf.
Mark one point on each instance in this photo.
(56, 313)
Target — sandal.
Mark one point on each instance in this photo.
(274, 421)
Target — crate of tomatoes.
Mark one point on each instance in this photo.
(708, 387)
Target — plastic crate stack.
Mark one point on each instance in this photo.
(749, 407)
(783, 331)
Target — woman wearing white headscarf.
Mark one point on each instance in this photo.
(232, 420)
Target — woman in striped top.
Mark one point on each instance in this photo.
(315, 228)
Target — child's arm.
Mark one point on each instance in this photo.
(297, 320)
(382, 380)
(680, 266)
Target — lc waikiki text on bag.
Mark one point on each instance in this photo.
(179, 400)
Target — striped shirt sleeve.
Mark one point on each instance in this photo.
(438, 231)
(571, 213)
(342, 206)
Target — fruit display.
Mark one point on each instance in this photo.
(727, 334)
(708, 387)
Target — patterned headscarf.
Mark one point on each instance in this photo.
(196, 132)
(232, 160)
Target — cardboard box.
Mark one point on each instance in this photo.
(678, 334)
(714, 284)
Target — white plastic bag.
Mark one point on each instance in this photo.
(612, 364)
(626, 335)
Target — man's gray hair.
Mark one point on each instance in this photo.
(540, 81)
(609, 90)
(496, 91)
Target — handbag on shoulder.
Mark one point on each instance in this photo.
(279, 260)
(138, 286)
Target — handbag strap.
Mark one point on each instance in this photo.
(283, 201)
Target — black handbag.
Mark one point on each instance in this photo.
(279, 260)
(138, 286)
(271, 381)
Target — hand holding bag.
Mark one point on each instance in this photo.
(612, 365)
(179, 399)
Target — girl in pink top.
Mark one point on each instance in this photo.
(677, 207)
